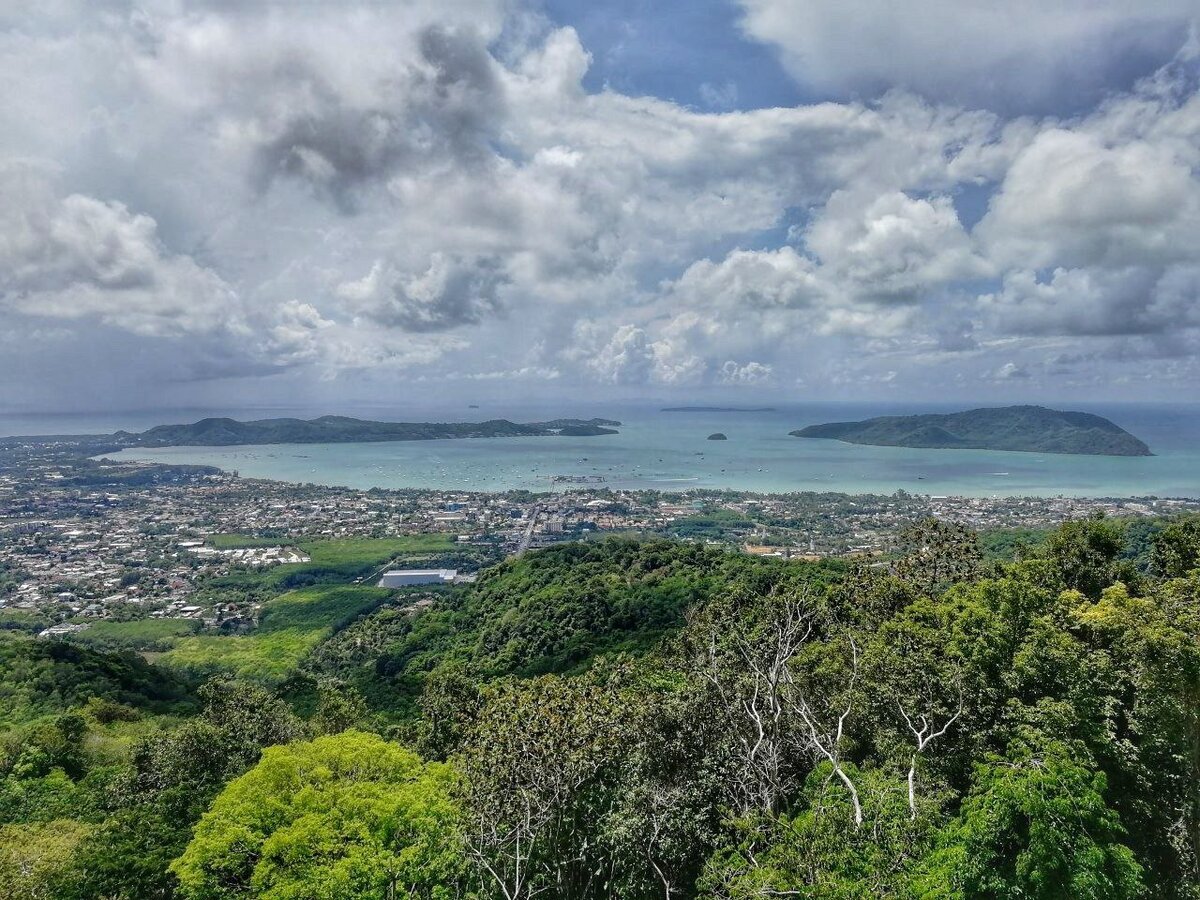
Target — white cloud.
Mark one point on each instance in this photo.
(1124, 301)
(891, 248)
(749, 374)
(75, 257)
(1072, 199)
(1018, 53)
(430, 187)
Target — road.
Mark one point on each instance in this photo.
(528, 537)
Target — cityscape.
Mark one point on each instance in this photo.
(142, 540)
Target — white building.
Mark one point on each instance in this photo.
(408, 577)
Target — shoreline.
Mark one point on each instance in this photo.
(573, 486)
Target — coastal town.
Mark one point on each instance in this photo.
(84, 540)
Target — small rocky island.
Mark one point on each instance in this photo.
(221, 432)
(1034, 429)
(717, 437)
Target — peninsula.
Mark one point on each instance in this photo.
(1033, 429)
(222, 432)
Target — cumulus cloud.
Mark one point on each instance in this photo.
(751, 281)
(371, 186)
(891, 248)
(442, 110)
(750, 373)
(75, 257)
(1089, 302)
(1093, 225)
(1072, 198)
(1026, 55)
(1008, 372)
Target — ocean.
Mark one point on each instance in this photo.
(668, 451)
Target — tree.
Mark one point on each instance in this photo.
(35, 859)
(817, 851)
(1176, 549)
(935, 555)
(1085, 552)
(787, 696)
(1036, 825)
(339, 708)
(344, 816)
(189, 764)
(540, 763)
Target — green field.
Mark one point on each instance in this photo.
(23, 620)
(344, 559)
(374, 551)
(303, 603)
(291, 626)
(245, 541)
(143, 634)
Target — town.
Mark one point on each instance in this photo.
(83, 540)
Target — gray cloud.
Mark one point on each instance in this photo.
(453, 291)
(443, 109)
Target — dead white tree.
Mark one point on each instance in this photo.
(504, 849)
(761, 705)
(827, 742)
(925, 734)
(660, 803)
(769, 703)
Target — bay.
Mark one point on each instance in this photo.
(668, 451)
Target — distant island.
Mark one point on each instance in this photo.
(717, 409)
(719, 436)
(1033, 429)
(221, 432)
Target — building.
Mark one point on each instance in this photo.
(408, 577)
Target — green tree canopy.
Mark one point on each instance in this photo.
(345, 816)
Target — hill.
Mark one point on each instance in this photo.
(45, 677)
(1029, 428)
(223, 432)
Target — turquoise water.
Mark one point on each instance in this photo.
(669, 452)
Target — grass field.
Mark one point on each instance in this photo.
(144, 634)
(23, 620)
(244, 541)
(304, 604)
(291, 626)
(374, 551)
(344, 559)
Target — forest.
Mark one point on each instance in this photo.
(645, 719)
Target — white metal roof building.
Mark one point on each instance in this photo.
(407, 577)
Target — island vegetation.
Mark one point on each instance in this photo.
(718, 436)
(1024, 428)
(641, 719)
(224, 432)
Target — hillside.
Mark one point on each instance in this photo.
(938, 725)
(1034, 429)
(223, 432)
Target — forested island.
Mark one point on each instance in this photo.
(1025, 428)
(223, 432)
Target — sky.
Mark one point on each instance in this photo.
(336, 202)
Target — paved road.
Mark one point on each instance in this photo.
(528, 538)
